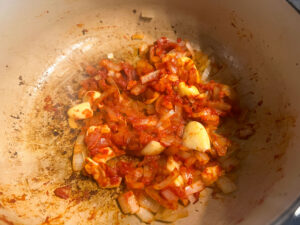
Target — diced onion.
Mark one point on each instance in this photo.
(110, 55)
(206, 73)
(172, 164)
(169, 215)
(165, 117)
(195, 187)
(148, 203)
(77, 162)
(226, 185)
(179, 181)
(79, 153)
(167, 181)
(168, 140)
(189, 47)
(128, 203)
(145, 215)
(169, 195)
(210, 174)
(150, 77)
(202, 157)
(192, 198)
(230, 163)
(153, 99)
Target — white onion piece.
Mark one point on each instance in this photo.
(128, 203)
(169, 215)
(150, 76)
(146, 122)
(77, 162)
(178, 182)
(165, 117)
(169, 195)
(172, 164)
(168, 140)
(202, 157)
(79, 153)
(190, 48)
(206, 73)
(230, 163)
(148, 203)
(226, 185)
(194, 187)
(167, 181)
(110, 55)
(145, 215)
(192, 198)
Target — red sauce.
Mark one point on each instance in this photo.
(138, 111)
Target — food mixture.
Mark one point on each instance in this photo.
(152, 129)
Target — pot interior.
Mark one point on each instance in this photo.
(46, 46)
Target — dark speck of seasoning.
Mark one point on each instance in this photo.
(297, 64)
(21, 81)
(155, 28)
(260, 102)
(64, 152)
(145, 19)
(17, 117)
(134, 10)
(55, 132)
(83, 177)
(94, 192)
(6, 66)
(84, 31)
(70, 178)
(100, 21)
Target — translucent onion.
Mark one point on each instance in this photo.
(168, 140)
(206, 73)
(192, 198)
(202, 157)
(190, 48)
(153, 99)
(79, 153)
(169, 195)
(167, 181)
(148, 203)
(128, 203)
(169, 215)
(150, 77)
(195, 187)
(226, 185)
(165, 117)
(145, 215)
